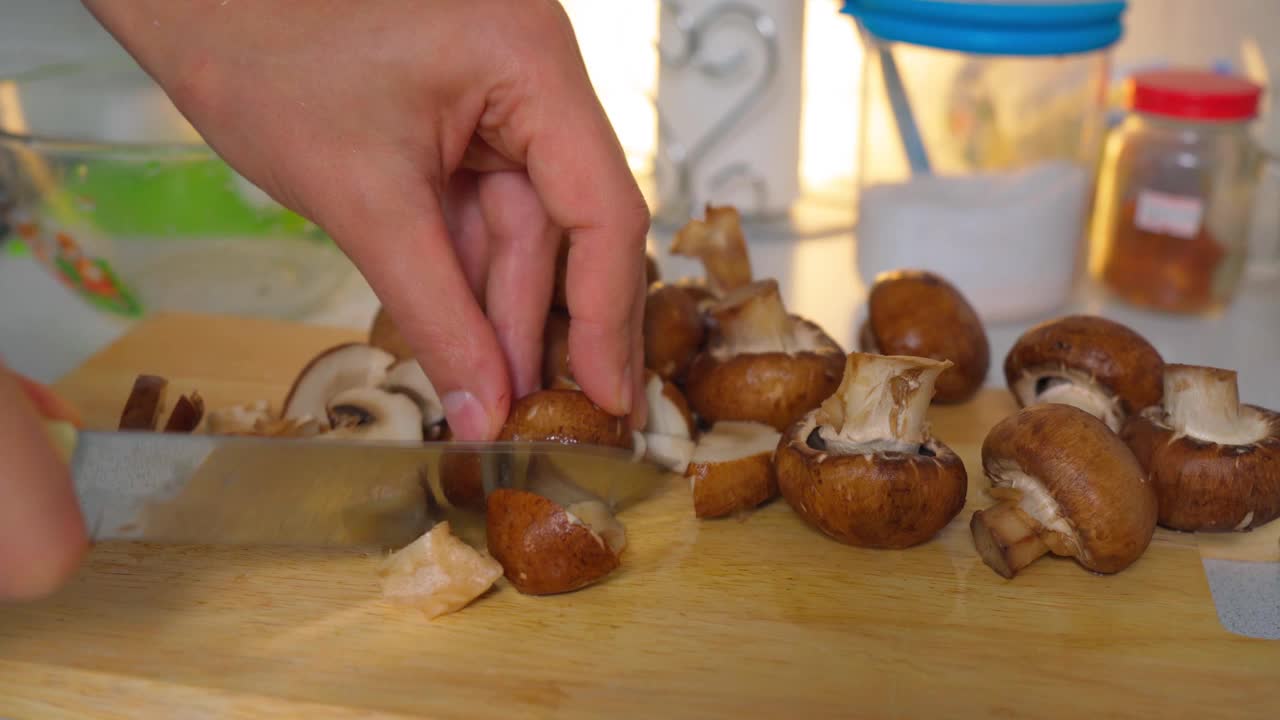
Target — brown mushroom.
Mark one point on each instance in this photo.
(673, 330)
(1066, 484)
(438, 573)
(762, 364)
(669, 429)
(145, 403)
(863, 468)
(919, 313)
(1095, 364)
(384, 334)
(1214, 461)
(543, 548)
(719, 243)
(731, 469)
(187, 414)
(338, 368)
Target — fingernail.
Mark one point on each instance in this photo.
(466, 416)
(625, 389)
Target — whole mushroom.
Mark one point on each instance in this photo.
(762, 364)
(921, 314)
(673, 330)
(1095, 364)
(1215, 462)
(863, 468)
(1066, 484)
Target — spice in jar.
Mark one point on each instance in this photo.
(1175, 192)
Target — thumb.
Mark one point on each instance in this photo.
(396, 235)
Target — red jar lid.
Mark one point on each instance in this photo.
(1194, 95)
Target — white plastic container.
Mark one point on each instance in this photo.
(980, 131)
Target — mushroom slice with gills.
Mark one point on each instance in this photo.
(1214, 461)
(257, 419)
(762, 364)
(145, 403)
(718, 242)
(863, 467)
(1066, 484)
(339, 368)
(438, 573)
(668, 431)
(673, 331)
(407, 378)
(731, 468)
(384, 334)
(921, 314)
(371, 414)
(1090, 362)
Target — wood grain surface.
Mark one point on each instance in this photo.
(757, 616)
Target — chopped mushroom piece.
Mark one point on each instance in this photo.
(438, 573)
(762, 364)
(719, 243)
(1065, 484)
(919, 313)
(1095, 364)
(257, 419)
(731, 469)
(863, 468)
(1215, 462)
(145, 403)
(543, 548)
(187, 414)
(343, 367)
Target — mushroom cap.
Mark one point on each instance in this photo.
(1086, 348)
(541, 547)
(1207, 486)
(918, 313)
(384, 334)
(731, 469)
(673, 330)
(341, 367)
(555, 349)
(884, 499)
(565, 416)
(1077, 479)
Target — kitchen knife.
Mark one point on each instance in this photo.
(181, 488)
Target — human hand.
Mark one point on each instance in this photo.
(42, 533)
(444, 146)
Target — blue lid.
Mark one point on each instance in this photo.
(994, 27)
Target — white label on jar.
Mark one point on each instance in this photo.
(1177, 215)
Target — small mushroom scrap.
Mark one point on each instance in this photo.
(863, 468)
(719, 243)
(1214, 461)
(1095, 364)
(762, 364)
(1066, 484)
(921, 314)
(438, 573)
(731, 468)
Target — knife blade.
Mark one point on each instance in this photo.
(208, 489)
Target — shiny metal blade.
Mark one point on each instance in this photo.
(164, 487)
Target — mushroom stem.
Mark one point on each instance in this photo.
(720, 244)
(1085, 397)
(1005, 538)
(753, 319)
(883, 398)
(1204, 403)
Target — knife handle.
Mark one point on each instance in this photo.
(63, 435)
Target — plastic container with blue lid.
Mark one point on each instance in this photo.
(980, 130)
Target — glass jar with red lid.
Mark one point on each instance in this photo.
(1175, 191)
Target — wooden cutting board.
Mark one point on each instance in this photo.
(752, 617)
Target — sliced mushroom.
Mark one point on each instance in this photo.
(339, 368)
(257, 419)
(719, 243)
(187, 414)
(543, 548)
(145, 403)
(407, 378)
(1066, 484)
(384, 334)
(673, 331)
(863, 468)
(1214, 461)
(438, 573)
(919, 313)
(762, 364)
(731, 469)
(669, 429)
(555, 350)
(368, 413)
(1095, 364)
(549, 481)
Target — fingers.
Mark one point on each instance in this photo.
(579, 170)
(467, 230)
(42, 533)
(521, 273)
(47, 403)
(396, 235)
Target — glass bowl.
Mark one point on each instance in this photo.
(118, 196)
